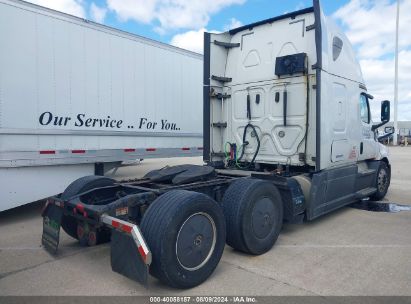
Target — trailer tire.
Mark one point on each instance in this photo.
(382, 181)
(69, 223)
(246, 204)
(178, 220)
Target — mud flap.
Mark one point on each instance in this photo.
(125, 258)
(52, 216)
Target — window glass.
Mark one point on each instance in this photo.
(364, 111)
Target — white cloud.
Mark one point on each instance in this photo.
(194, 40)
(234, 23)
(72, 7)
(170, 14)
(191, 40)
(370, 26)
(379, 75)
(139, 10)
(97, 13)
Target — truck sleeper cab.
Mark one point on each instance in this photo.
(287, 136)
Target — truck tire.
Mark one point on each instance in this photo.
(69, 223)
(382, 182)
(253, 211)
(185, 231)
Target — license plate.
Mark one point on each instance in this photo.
(51, 228)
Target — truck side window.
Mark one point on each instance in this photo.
(364, 109)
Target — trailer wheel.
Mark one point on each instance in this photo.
(185, 231)
(382, 182)
(254, 215)
(69, 224)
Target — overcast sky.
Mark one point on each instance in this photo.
(369, 24)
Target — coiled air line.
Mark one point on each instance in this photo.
(232, 155)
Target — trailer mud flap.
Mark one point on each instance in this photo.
(125, 258)
(52, 216)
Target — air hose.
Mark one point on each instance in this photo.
(245, 143)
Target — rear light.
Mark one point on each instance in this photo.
(80, 208)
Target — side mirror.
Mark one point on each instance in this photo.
(385, 111)
(389, 130)
(385, 115)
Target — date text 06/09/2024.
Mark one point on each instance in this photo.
(203, 299)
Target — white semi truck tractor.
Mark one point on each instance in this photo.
(288, 137)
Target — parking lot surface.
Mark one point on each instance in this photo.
(348, 252)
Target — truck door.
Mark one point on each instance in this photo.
(367, 144)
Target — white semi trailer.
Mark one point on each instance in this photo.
(287, 137)
(78, 98)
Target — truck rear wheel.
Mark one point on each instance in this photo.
(254, 215)
(69, 224)
(382, 182)
(185, 231)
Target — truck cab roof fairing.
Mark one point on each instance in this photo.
(271, 20)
